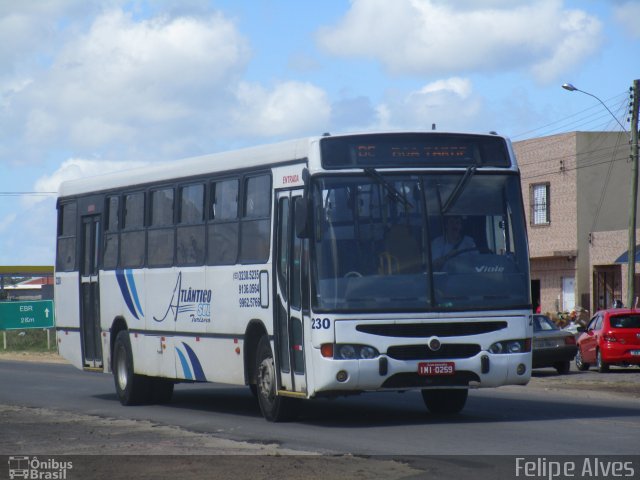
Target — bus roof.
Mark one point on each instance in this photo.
(257, 156)
(263, 155)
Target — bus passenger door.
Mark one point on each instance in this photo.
(90, 292)
(290, 315)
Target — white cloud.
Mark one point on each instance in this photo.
(572, 46)
(75, 168)
(290, 108)
(429, 37)
(458, 86)
(37, 219)
(449, 103)
(628, 15)
(125, 87)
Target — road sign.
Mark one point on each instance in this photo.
(21, 315)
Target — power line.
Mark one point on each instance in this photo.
(578, 167)
(600, 151)
(27, 194)
(616, 100)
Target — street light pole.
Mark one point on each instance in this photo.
(631, 273)
(571, 88)
(633, 140)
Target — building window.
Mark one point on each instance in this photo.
(540, 203)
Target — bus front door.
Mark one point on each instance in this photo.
(289, 299)
(90, 292)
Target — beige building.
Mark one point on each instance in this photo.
(576, 195)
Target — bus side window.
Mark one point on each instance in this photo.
(67, 218)
(256, 220)
(133, 231)
(160, 234)
(190, 241)
(222, 247)
(111, 235)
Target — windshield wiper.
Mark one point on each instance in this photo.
(458, 189)
(391, 190)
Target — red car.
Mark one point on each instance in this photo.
(611, 338)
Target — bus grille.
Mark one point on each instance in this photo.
(422, 352)
(425, 330)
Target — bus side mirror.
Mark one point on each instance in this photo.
(301, 218)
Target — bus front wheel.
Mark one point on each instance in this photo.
(445, 401)
(132, 389)
(273, 407)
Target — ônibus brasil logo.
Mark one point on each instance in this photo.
(35, 468)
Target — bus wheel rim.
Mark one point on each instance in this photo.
(121, 367)
(266, 378)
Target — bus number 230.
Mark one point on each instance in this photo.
(320, 324)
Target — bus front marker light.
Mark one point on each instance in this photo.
(326, 350)
(485, 364)
(342, 376)
(383, 366)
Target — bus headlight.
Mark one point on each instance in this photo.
(511, 346)
(367, 352)
(346, 352)
(354, 352)
(514, 347)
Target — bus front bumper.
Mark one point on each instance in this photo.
(384, 373)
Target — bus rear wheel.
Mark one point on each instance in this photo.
(132, 389)
(273, 407)
(446, 401)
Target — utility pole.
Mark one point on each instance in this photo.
(631, 271)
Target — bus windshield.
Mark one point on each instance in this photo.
(420, 242)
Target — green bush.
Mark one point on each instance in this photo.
(31, 340)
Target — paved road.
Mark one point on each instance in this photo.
(577, 414)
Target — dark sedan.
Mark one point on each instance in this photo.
(552, 347)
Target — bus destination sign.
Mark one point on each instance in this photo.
(414, 150)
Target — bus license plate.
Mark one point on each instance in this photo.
(436, 368)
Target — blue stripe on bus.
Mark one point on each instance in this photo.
(124, 289)
(185, 365)
(195, 363)
(134, 292)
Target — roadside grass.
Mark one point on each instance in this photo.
(31, 340)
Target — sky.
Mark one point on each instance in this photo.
(92, 87)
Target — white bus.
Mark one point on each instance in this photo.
(324, 266)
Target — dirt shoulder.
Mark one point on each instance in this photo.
(110, 448)
(45, 357)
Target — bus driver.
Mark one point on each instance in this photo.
(452, 243)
